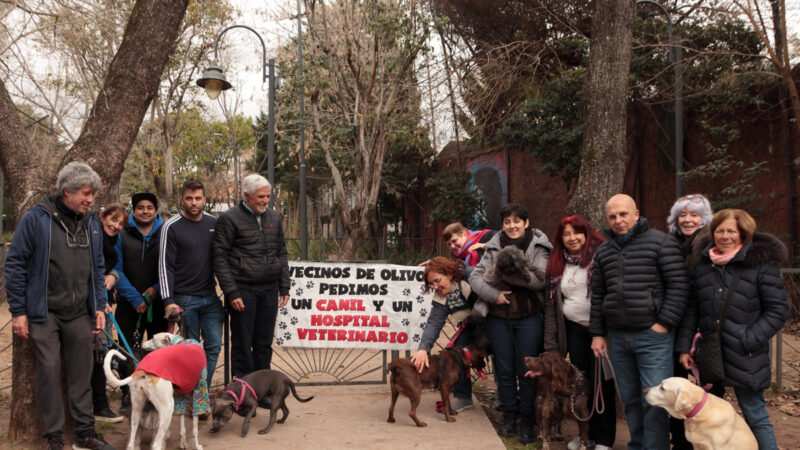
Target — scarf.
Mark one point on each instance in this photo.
(555, 282)
(455, 301)
(722, 258)
(621, 240)
(522, 243)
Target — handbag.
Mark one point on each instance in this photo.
(708, 356)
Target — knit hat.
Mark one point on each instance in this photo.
(139, 196)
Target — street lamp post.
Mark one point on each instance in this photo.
(214, 82)
(301, 89)
(675, 57)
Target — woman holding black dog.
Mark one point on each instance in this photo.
(511, 279)
(738, 273)
(566, 317)
(452, 297)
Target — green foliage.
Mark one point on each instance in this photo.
(550, 125)
(453, 199)
(723, 169)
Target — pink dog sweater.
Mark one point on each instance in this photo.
(181, 364)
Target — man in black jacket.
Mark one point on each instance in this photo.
(252, 268)
(639, 294)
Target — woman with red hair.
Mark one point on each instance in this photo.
(566, 319)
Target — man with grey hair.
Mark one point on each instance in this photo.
(252, 267)
(54, 282)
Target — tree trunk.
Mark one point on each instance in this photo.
(16, 157)
(107, 137)
(604, 140)
(131, 83)
(24, 425)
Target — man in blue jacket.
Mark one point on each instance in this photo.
(54, 282)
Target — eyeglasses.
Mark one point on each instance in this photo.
(77, 239)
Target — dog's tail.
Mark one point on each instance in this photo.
(294, 392)
(110, 376)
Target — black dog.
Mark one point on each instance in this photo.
(262, 387)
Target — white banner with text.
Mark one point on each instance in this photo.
(354, 305)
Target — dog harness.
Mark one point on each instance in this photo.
(239, 399)
(698, 407)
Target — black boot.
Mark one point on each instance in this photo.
(526, 432)
(509, 426)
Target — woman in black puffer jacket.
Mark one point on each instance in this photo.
(734, 256)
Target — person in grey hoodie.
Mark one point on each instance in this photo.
(54, 283)
(511, 279)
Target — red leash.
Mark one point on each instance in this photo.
(695, 371)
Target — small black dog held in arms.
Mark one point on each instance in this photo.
(260, 388)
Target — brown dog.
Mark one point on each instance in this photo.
(442, 374)
(561, 391)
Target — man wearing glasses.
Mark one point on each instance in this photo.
(54, 282)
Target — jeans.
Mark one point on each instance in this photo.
(511, 340)
(642, 359)
(463, 388)
(252, 331)
(63, 346)
(602, 427)
(755, 414)
(203, 316)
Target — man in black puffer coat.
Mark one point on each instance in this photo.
(639, 292)
(252, 266)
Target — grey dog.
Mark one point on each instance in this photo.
(270, 388)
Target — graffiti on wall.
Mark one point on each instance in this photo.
(489, 177)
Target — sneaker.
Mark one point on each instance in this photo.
(574, 444)
(91, 443)
(460, 404)
(55, 442)
(106, 415)
(601, 447)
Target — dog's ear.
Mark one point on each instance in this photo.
(684, 400)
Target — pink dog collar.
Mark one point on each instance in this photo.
(696, 410)
(239, 399)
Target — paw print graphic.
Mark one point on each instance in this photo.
(293, 320)
(422, 289)
(279, 341)
(423, 325)
(310, 285)
(420, 299)
(287, 336)
(405, 322)
(406, 292)
(415, 338)
(282, 325)
(294, 283)
(423, 312)
(298, 292)
(284, 311)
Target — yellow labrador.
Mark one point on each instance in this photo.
(711, 423)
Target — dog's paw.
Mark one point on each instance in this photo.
(391, 420)
(451, 419)
(422, 424)
(263, 431)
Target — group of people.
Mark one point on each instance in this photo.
(67, 265)
(633, 294)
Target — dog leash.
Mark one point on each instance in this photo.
(127, 350)
(239, 399)
(602, 365)
(696, 370)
